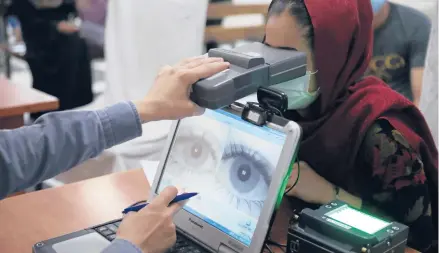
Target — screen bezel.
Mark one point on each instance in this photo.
(211, 237)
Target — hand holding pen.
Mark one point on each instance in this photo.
(153, 223)
(178, 198)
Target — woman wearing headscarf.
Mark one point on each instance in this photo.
(363, 143)
(56, 55)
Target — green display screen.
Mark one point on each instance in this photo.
(356, 219)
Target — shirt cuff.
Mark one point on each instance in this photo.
(121, 245)
(120, 122)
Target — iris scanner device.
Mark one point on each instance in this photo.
(252, 66)
(339, 228)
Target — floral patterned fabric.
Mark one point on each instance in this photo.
(398, 186)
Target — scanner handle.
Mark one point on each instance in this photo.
(245, 61)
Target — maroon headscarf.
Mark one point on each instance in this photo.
(349, 104)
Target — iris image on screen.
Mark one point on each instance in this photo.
(223, 163)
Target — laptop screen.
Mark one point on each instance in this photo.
(229, 162)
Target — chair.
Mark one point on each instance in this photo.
(223, 34)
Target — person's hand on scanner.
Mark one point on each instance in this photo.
(67, 27)
(169, 94)
(152, 228)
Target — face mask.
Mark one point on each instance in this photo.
(377, 5)
(297, 91)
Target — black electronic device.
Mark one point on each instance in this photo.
(252, 66)
(339, 228)
(271, 102)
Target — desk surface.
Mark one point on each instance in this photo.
(17, 100)
(33, 217)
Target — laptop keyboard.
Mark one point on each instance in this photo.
(183, 245)
(108, 230)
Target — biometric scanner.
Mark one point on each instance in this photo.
(252, 66)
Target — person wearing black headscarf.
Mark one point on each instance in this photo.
(57, 56)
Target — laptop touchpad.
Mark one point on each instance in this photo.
(90, 243)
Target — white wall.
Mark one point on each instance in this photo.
(429, 7)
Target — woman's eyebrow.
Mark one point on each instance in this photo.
(287, 48)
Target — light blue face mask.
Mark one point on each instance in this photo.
(297, 91)
(377, 5)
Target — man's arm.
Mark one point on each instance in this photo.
(416, 78)
(59, 141)
(121, 245)
(418, 49)
(429, 97)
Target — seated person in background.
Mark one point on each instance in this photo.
(56, 55)
(400, 44)
(363, 143)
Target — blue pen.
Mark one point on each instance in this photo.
(181, 197)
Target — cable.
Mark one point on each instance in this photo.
(268, 248)
(279, 112)
(297, 179)
(269, 241)
(282, 247)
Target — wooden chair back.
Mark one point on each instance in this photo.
(222, 34)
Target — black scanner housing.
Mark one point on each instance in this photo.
(252, 66)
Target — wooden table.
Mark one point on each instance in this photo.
(37, 216)
(16, 100)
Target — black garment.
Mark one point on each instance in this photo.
(59, 62)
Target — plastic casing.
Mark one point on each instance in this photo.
(252, 66)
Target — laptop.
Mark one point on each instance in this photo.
(240, 171)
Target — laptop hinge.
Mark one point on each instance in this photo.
(226, 249)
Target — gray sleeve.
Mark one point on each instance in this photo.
(418, 41)
(121, 246)
(59, 141)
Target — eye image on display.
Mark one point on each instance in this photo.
(230, 166)
(244, 175)
(194, 152)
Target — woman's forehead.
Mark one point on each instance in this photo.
(282, 30)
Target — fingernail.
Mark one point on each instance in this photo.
(180, 190)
